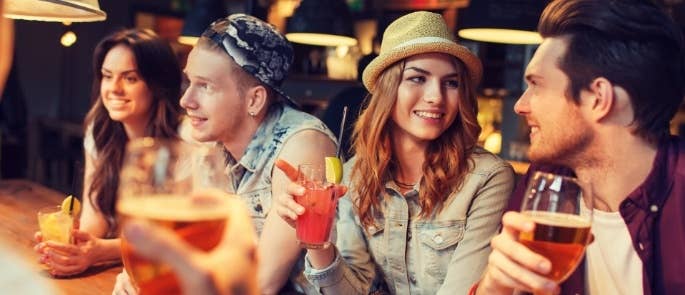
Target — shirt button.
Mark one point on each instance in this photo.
(438, 239)
(412, 279)
(654, 208)
(408, 236)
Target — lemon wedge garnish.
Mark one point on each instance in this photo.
(334, 171)
(65, 205)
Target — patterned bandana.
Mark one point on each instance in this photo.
(255, 46)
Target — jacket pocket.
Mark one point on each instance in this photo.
(438, 242)
(258, 203)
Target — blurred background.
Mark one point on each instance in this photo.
(48, 91)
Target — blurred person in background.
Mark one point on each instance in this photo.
(135, 89)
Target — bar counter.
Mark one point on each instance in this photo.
(19, 202)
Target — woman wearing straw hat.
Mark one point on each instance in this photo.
(423, 199)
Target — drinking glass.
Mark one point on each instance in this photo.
(175, 185)
(561, 210)
(313, 227)
(54, 224)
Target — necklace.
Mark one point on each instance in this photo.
(403, 185)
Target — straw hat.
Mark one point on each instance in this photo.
(416, 33)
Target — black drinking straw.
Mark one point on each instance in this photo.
(77, 173)
(340, 133)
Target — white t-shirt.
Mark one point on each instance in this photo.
(613, 266)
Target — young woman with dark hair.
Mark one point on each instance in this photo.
(136, 88)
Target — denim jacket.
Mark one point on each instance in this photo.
(251, 177)
(444, 254)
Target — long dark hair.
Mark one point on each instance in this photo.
(633, 44)
(159, 68)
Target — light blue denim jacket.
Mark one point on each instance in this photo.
(445, 254)
(251, 177)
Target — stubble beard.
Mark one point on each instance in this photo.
(570, 148)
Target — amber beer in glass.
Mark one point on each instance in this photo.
(168, 183)
(562, 226)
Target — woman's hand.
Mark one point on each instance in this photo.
(67, 259)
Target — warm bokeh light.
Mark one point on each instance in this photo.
(505, 36)
(321, 39)
(188, 40)
(68, 39)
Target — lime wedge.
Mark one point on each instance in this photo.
(334, 169)
(65, 205)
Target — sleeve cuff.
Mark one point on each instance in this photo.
(326, 277)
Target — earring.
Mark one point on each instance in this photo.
(252, 114)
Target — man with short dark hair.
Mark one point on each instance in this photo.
(602, 88)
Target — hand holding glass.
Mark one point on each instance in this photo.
(313, 227)
(167, 183)
(562, 215)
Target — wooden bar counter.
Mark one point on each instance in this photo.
(19, 202)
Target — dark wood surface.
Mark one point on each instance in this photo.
(19, 202)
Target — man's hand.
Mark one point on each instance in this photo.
(512, 265)
(230, 268)
(284, 204)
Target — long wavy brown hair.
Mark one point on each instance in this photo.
(447, 157)
(159, 68)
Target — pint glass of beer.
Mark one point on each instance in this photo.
(561, 210)
(175, 185)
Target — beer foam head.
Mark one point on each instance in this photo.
(558, 219)
(175, 207)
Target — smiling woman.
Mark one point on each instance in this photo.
(423, 199)
(135, 94)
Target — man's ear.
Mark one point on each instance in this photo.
(257, 100)
(600, 98)
(610, 103)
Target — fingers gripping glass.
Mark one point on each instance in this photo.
(558, 206)
(174, 185)
(313, 227)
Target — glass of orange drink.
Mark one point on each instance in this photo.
(175, 185)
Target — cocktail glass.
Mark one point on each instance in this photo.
(55, 225)
(313, 227)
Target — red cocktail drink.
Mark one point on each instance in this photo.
(314, 226)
